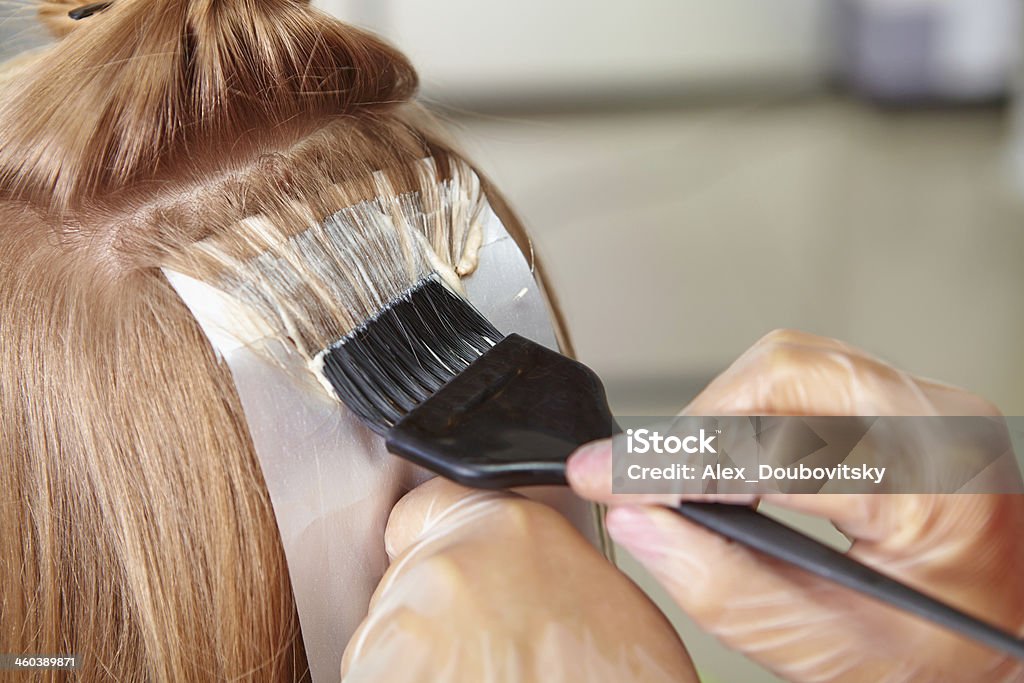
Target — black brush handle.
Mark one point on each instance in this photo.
(775, 539)
(512, 418)
(521, 400)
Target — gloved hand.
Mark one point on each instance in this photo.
(963, 548)
(487, 587)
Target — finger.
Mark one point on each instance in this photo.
(589, 471)
(950, 400)
(863, 517)
(799, 376)
(781, 616)
(784, 379)
(755, 605)
(799, 338)
(898, 524)
(792, 372)
(424, 508)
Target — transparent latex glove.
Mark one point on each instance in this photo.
(964, 548)
(488, 586)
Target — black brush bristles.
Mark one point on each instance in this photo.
(406, 353)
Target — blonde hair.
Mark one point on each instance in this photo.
(135, 528)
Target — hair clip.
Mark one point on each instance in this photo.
(88, 10)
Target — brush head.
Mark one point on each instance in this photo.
(404, 354)
(452, 394)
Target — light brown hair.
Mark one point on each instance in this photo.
(135, 528)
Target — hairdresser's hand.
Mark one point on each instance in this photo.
(964, 548)
(487, 587)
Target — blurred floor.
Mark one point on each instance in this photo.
(676, 238)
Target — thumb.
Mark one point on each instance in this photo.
(427, 508)
(590, 474)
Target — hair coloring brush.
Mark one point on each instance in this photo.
(368, 297)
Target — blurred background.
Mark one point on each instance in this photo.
(696, 173)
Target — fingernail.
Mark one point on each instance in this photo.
(632, 528)
(590, 466)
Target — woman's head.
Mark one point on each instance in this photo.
(136, 529)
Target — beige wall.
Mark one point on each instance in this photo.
(471, 49)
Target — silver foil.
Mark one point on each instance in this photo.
(331, 482)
